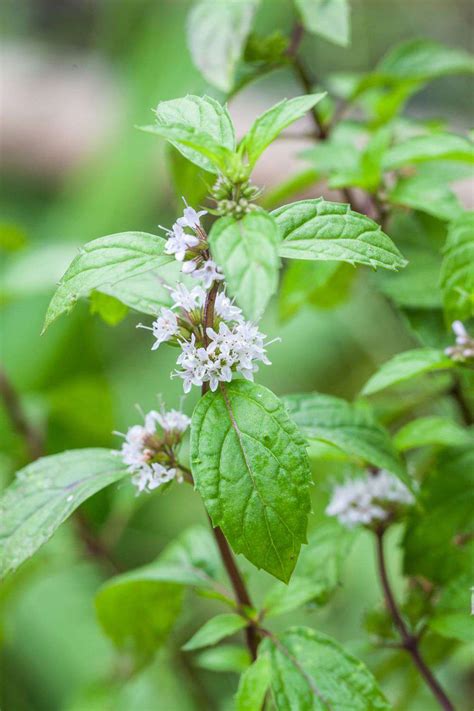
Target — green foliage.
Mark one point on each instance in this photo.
(214, 630)
(105, 262)
(318, 229)
(366, 171)
(227, 658)
(426, 193)
(328, 18)
(431, 430)
(322, 285)
(453, 617)
(110, 309)
(45, 493)
(405, 366)
(253, 685)
(435, 146)
(247, 251)
(311, 671)
(350, 427)
(250, 467)
(457, 274)
(422, 59)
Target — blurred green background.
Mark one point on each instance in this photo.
(78, 75)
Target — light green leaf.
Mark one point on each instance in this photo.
(318, 229)
(311, 671)
(318, 571)
(453, 617)
(457, 273)
(405, 366)
(226, 658)
(214, 630)
(270, 124)
(104, 262)
(217, 32)
(367, 172)
(110, 309)
(322, 285)
(253, 685)
(247, 252)
(204, 116)
(250, 467)
(421, 59)
(328, 18)
(45, 493)
(351, 427)
(434, 430)
(434, 146)
(415, 286)
(427, 194)
(147, 292)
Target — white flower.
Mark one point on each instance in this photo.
(173, 421)
(164, 328)
(367, 500)
(226, 309)
(189, 267)
(464, 348)
(190, 217)
(208, 272)
(188, 299)
(134, 452)
(462, 336)
(152, 476)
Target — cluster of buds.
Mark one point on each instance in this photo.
(371, 501)
(150, 450)
(234, 197)
(464, 348)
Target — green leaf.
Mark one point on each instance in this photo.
(416, 286)
(322, 285)
(104, 262)
(270, 124)
(205, 117)
(147, 292)
(328, 18)
(247, 252)
(351, 427)
(214, 630)
(405, 366)
(367, 172)
(226, 658)
(250, 467)
(45, 493)
(253, 685)
(217, 32)
(438, 538)
(453, 616)
(434, 430)
(311, 671)
(422, 59)
(428, 194)
(318, 571)
(434, 146)
(110, 309)
(457, 274)
(318, 229)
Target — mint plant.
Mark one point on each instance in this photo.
(203, 285)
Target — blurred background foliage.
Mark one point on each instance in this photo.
(77, 77)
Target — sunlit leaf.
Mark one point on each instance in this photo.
(433, 430)
(405, 366)
(457, 273)
(328, 18)
(214, 630)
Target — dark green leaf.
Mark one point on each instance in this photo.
(434, 430)
(453, 616)
(457, 273)
(405, 366)
(214, 630)
(328, 18)
(253, 685)
(250, 467)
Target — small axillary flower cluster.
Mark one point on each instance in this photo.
(234, 197)
(371, 501)
(150, 450)
(464, 348)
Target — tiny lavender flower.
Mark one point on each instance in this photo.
(464, 348)
(368, 500)
(208, 272)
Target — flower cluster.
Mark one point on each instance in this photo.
(213, 354)
(234, 197)
(371, 500)
(464, 348)
(149, 450)
(188, 242)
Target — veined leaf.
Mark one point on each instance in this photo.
(457, 272)
(405, 366)
(434, 146)
(247, 252)
(45, 493)
(434, 430)
(250, 467)
(328, 18)
(351, 427)
(214, 630)
(253, 685)
(427, 194)
(311, 671)
(217, 32)
(103, 263)
(318, 229)
(421, 59)
(270, 124)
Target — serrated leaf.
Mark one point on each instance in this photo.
(351, 427)
(327, 18)
(253, 685)
(318, 571)
(250, 467)
(104, 262)
(457, 273)
(318, 229)
(214, 630)
(434, 146)
(453, 616)
(405, 366)
(311, 671)
(217, 32)
(270, 124)
(206, 117)
(45, 493)
(427, 194)
(433, 430)
(247, 252)
(422, 59)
